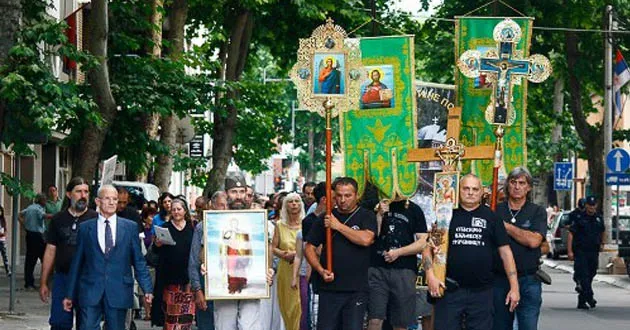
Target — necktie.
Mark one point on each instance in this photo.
(109, 241)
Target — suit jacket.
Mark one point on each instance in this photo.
(94, 276)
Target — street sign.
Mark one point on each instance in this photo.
(618, 160)
(196, 147)
(562, 176)
(621, 179)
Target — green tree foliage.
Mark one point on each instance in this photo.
(37, 101)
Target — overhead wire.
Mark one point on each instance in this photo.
(542, 28)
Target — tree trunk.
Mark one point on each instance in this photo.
(592, 137)
(9, 24)
(556, 197)
(224, 128)
(164, 168)
(152, 120)
(168, 134)
(87, 154)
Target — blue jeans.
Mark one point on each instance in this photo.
(59, 318)
(528, 309)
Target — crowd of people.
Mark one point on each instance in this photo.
(493, 277)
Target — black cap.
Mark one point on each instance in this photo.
(235, 181)
(581, 202)
(591, 200)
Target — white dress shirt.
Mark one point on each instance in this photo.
(100, 230)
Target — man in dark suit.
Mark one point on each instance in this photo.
(100, 275)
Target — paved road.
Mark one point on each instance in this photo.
(559, 302)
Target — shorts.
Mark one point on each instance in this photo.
(423, 307)
(392, 295)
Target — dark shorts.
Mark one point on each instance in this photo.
(341, 310)
(396, 289)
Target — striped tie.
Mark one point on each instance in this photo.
(109, 241)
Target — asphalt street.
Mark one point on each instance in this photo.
(558, 313)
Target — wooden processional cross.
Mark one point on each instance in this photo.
(450, 154)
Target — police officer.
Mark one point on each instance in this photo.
(585, 238)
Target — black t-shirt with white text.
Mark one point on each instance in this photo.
(62, 233)
(530, 217)
(398, 229)
(350, 261)
(474, 237)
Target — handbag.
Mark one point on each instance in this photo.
(152, 257)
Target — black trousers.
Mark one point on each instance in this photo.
(585, 269)
(476, 305)
(35, 246)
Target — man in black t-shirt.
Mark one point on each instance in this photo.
(342, 292)
(60, 249)
(392, 275)
(475, 234)
(526, 226)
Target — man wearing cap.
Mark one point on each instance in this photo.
(585, 238)
(236, 314)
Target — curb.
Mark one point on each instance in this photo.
(599, 278)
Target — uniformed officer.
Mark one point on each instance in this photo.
(585, 238)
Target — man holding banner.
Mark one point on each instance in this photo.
(475, 234)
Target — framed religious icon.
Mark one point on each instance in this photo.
(328, 69)
(446, 189)
(330, 74)
(377, 90)
(236, 254)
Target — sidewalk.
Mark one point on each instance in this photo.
(30, 311)
(620, 281)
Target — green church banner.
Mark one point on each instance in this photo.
(376, 137)
(473, 95)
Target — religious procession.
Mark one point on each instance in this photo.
(339, 165)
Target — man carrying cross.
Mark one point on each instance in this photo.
(475, 234)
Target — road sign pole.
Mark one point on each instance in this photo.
(617, 227)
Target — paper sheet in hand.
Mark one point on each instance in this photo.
(164, 236)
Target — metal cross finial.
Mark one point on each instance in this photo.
(450, 153)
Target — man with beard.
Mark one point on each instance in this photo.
(62, 240)
(238, 314)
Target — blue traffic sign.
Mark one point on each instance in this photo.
(618, 160)
(621, 179)
(562, 176)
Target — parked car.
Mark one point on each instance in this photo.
(621, 228)
(558, 235)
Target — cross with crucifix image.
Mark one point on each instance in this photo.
(504, 68)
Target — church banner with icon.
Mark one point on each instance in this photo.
(376, 137)
(474, 35)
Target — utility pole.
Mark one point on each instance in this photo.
(608, 114)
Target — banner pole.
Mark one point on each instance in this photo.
(328, 105)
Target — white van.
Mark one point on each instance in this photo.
(149, 192)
